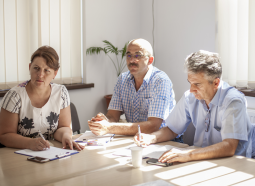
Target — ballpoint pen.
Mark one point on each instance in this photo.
(139, 132)
(112, 137)
(41, 135)
(63, 155)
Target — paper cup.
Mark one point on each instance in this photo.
(137, 158)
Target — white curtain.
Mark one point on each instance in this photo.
(235, 40)
(26, 25)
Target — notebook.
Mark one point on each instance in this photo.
(52, 153)
(91, 139)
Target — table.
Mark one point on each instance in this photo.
(97, 166)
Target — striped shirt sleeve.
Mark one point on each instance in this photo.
(65, 99)
(11, 102)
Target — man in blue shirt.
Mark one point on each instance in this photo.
(144, 94)
(217, 111)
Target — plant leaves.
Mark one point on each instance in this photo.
(95, 50)
(124, 50)
(110, 48)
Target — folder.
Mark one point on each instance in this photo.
(52, 153)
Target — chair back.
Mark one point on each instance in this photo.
(188, 136)
(75, 119)
(253, 140)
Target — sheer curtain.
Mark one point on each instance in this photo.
(235, 40)
(26, 25)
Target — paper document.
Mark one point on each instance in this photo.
(156, 183)
(52, 153)
(88, 136)
(152, 151)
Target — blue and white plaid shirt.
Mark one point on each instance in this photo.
(155, 97)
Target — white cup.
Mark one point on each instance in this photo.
(137, 156)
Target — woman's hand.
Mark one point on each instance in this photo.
(37, 144)
(67, 141)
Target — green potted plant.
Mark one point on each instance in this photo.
(119, 65)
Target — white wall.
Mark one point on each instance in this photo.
(181, 27)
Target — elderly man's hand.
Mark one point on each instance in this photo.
(175, 155)
(146, 139)
(99, 128)
(99, 117)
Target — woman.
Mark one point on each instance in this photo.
(37, 106)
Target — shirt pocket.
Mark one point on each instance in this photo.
(216, 135)
(217, 128)
(145, 105)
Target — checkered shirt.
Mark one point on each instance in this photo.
(155, 97)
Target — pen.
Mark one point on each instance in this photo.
(112, 137)
(139, 132)
(63, 155)
(41, 135)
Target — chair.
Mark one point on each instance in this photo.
(188, 136)
(253, 140)
(75, 119)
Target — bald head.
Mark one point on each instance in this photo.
(144, 44)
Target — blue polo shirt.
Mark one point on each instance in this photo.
(226, 118)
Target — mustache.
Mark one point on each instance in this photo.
(133, 64)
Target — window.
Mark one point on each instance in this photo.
(26, 25)
(236, 41)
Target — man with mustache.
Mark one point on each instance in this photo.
(217, 111)
(144, 94)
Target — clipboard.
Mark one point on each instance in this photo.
(52, 153)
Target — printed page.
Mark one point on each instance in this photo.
(152, 151)
(49, 153)
(88, 135)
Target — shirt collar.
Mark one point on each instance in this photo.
(216, 98)
(147, 75)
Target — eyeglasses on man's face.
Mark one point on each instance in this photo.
(135, 56)
(207, 125)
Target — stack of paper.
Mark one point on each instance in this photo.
(152, 151)
(90, 138)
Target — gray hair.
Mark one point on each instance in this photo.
(206, 62)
